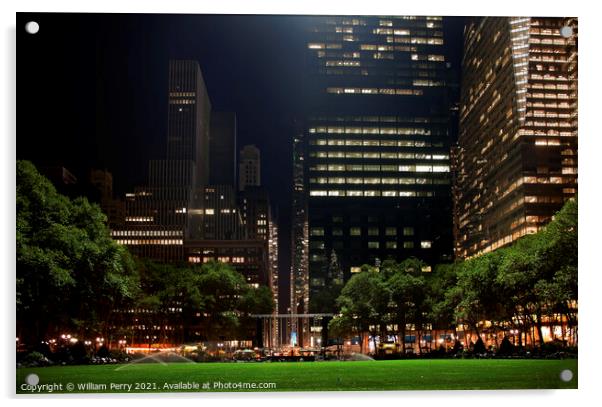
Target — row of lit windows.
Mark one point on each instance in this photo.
(358, 180)
(221, 259)
(547, 142)
(139, 218)
(375, 91)
(548, 124)
(381, 143)
(381, 119)
(424, 244)
(406, 131)
(406, 40)
(182, 94)
(412, 40)
(550, 86)
(371, 193)
(135, 242)
(550, 105)
(549, 77)
(357, 231)
(547, 58)
(146, 233)
(545, 133)
(211, 211)
(540, 95)
(360, 167)
(376, 143)
(406, 143)
(182, 101)
(547, 41)
(383, 155)
(400, 168)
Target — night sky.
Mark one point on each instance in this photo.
(92, 90)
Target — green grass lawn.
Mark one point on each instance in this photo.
(318, 376)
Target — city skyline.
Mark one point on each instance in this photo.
(358, 194)
(127, 126)
(334, 102)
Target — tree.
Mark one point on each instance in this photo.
(364, 300)
(70, 273)
(477, 292)
(407, 295)
(340, 327)
(558, 287)
(213, 300)
(439, 304)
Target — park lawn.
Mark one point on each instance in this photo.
(442, 374)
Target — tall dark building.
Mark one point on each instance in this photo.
(299, 276)
(222, 144)
(260, 224)
(188, 118)
(249, 167)
(188, 211)
(157, 214)
(516, 159)
(377, 141)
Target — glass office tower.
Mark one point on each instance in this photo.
(516, 158)
(378, 133)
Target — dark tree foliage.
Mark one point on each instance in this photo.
(70, 273)
(512, 288)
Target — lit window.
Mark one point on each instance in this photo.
(373, 245)
(408, 245)
(426, 244)
(317, 231)
(355, 231)
(408, 231)
(391, 245)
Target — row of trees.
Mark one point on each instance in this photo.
(73, 277)
(519, 287)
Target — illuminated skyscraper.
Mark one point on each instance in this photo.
(299, 277)
(516, 159)
(378, 140)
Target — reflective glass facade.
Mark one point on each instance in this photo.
(377, 142)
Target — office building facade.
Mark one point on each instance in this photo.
(222, 145)
(376, 144)
(156, 216)
(516, 158)
(249, 167)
